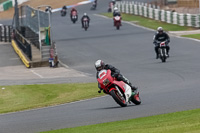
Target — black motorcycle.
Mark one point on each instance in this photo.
(94, 6)
(85, 23)
(163, 51)
(74, 17)
(63, 12)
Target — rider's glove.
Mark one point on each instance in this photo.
(114, 75)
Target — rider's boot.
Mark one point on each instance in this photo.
(157, 56)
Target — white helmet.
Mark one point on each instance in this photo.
(115, 9)
(99, 65)
(160, 29)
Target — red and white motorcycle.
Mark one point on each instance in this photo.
(117, 22)
(120, 91)
(163, 51)
(74, 17)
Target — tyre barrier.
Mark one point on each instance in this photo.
(5, 33)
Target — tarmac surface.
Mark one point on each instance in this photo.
(14, 72)
(164, 87)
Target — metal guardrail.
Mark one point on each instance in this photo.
(5, 33)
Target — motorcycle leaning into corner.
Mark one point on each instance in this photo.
(117, 22)
(120, 91)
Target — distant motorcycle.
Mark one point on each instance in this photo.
(63, 12)
(74, 17)
(85, 23)
(94, 6)
(120, 91)
(117, 22)
(162, 51)
(110, 7)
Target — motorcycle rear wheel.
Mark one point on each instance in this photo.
(118, 99)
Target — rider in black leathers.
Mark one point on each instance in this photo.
(95, 3)
(65, 10)
(161, 36)
(85, 16)
(116, 12)
(99, 65)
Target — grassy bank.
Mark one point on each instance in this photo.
(150, 23)
(22, 97)
(179, 122)
(195, 36)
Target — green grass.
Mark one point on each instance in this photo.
(196, 36)
(178, 122)
(22, 97)
(150, 23)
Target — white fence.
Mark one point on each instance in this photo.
(153, 12)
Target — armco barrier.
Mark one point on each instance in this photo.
(21, 55)
(149, 11)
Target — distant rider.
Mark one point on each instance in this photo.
(161, 36)
(48, 9)
(99, 65)
(73, 10)
(64, 9)
(113, 2)
(116, 13)
(85, 16)
(95, 3)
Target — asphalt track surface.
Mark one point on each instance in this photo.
(164, 87)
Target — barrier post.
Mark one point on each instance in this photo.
(1, 33)
(5, 35)
(9, 33)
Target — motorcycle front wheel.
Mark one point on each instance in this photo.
(118, 99)
(136, 99)
(163, 57)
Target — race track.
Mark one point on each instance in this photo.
(164, 87)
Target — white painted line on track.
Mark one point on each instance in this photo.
(14, 58)
(147, 28)
(53, 106)
(37, 74)
(188, 38)
(66, 66)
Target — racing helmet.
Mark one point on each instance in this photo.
(160, 30)
(99, 65)
(115, 9)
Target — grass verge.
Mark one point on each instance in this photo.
(22, 97)
(178, 122)
(150, 23)
(195, 36)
